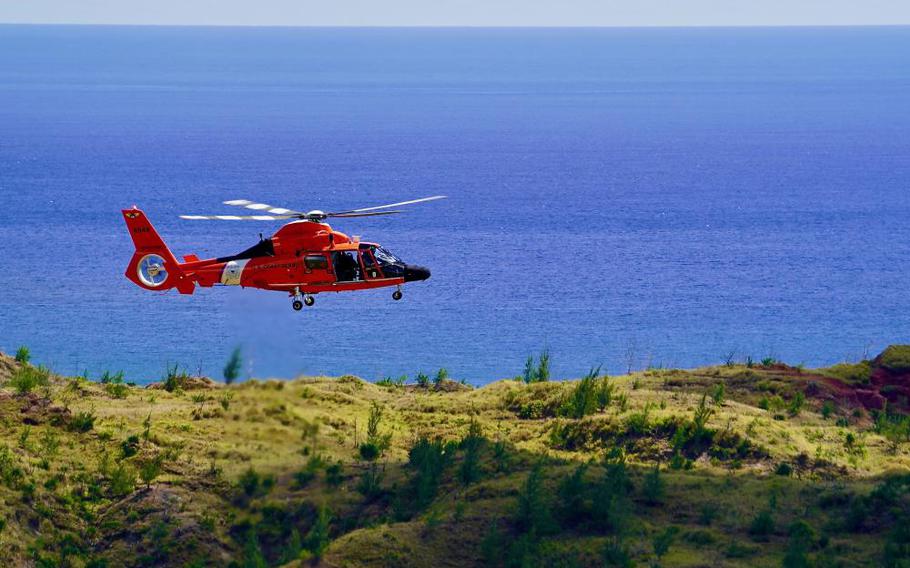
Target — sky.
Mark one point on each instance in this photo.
(460, 12)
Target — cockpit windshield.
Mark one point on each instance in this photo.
(391, 265)
(384, 257)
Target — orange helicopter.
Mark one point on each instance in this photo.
(303, 258)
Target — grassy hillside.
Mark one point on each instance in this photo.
(751, 465)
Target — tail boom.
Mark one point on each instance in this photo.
(153, 265)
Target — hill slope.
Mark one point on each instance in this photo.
(732, 465)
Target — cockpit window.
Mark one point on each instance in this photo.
(391, 265)
(385, 257)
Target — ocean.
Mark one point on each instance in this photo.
(619, 197)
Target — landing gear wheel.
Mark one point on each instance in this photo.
(309, 300)
(297, 305)
(396, 295)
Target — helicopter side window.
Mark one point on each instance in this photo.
(315, 262)
(346, 266)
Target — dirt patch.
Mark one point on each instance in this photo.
(36, 410)
(889, 383)
(8, 366)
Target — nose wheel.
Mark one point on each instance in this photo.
(396, 295)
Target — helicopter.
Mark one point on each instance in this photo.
(303, 258)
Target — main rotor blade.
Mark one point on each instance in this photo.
(421, 200)
(262, 207)
(349, 215)
(239, 217)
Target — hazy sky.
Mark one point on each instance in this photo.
(459, 12)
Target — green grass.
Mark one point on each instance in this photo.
(546, 472)
(896, 358)
(850, 373)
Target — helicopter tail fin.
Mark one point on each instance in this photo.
(153, 266)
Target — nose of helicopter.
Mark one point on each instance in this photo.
(414, 273)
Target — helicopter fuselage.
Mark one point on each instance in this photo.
(301, 258)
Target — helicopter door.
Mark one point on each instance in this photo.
(370, 268)
(346, 265)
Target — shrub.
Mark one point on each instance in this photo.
(801, 539)
(23, 355)
(333, 474)
(703, 413)
(317, 540)
(250, 482)
(441, 375)
(501, 456)
(827, 409)
(767, 361)
(107, 377)
(663, 540)
(130, 446)
(303, 477)
(26, 378)
(252, 553)
(293, 548)
(611, 504)
(718, 394)
(423, 380)
(122, 481)
(533, 512)
(82, 422)
(233, 366)
(376, 443)
(796, 405)
(622, 401)
(783, 469)
(174, 378)
(584, 398)
(762, 525)
(653, 487)
(369, 451)
(639, 422)
(605, 392)
(897, 546)
(428, 458)
(369, 484)
(572, 506)
(540, 372)
(616, 554)
(472, 443)
(679, 461)
(150, 469)
(10, 473)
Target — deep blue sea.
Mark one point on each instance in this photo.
(618, 196)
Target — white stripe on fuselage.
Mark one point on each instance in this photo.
(232, 272)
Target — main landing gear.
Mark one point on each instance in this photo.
(297, 304)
